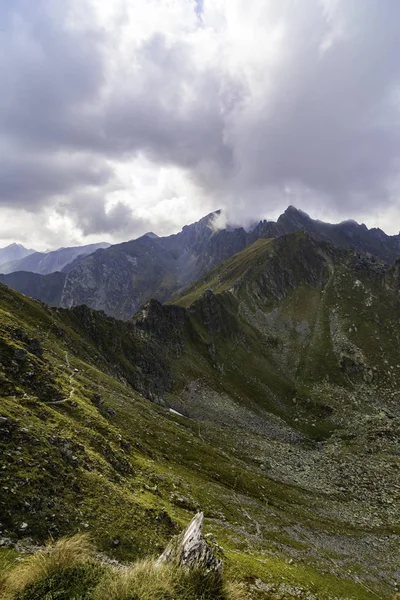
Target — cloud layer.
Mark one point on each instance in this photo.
(125, 116)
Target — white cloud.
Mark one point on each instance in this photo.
(128, 115)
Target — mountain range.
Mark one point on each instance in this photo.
(13, 252)
(120, 278)
(264, 394)
(45, 262)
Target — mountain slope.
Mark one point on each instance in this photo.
(44, 263)
(13, 252)
(314, 311)
(307, 332)
(291, 419)
(120, 279)
(47, 288)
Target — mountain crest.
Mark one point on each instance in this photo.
(120, 279)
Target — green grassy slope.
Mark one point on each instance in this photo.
(285, 435)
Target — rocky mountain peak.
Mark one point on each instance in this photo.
(13, 252)
(150, 234)
(293, 218)
(202, 227)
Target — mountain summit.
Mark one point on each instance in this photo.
(13, 252)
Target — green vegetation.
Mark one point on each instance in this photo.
(286, 376)
(70, 570)
(229, 274)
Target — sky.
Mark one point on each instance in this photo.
(128, 116)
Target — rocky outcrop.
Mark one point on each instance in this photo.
(190, 550)
(162, 321)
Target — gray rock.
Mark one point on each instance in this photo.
(190, 550)
(20, 354)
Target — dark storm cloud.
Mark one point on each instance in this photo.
(90, 214)
(329, 123)
(29, 181)
(171, 112)
(48, 72)
(324, 118)
(56, 97)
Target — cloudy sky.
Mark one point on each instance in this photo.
(123, 116)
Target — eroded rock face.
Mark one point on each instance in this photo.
(190, 550)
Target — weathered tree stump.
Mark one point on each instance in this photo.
(190, 550)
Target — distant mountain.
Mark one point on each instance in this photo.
(13, 252)
(347, 234)
(49, 262)
(121, 278)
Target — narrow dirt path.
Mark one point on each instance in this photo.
(70, 383)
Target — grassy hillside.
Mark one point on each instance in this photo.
(286, 438)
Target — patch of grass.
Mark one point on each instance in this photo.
(8, 560)
(141, 581)
(67, 553)
(69, 583)
(271, 569)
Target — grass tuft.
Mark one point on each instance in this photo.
(54, 558)
(142, 581)
(146, 581)
(235, 590)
